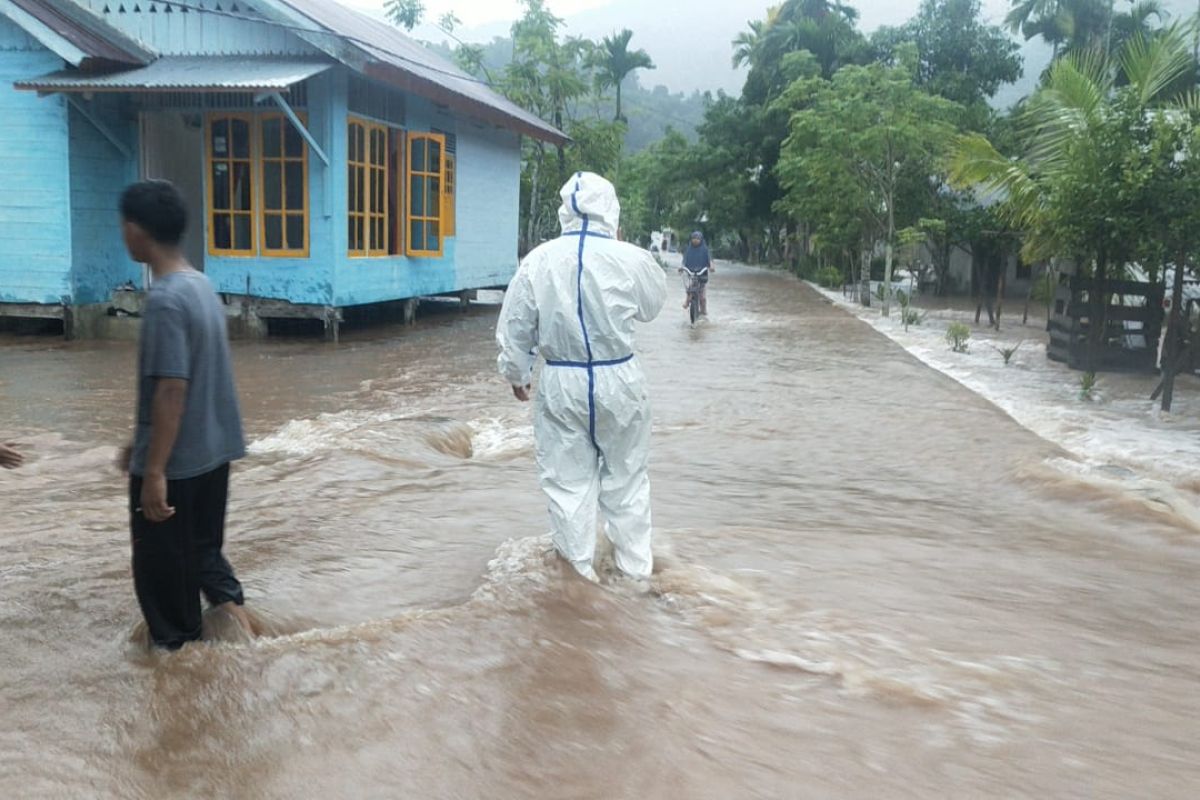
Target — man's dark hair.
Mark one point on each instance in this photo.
(156, 207)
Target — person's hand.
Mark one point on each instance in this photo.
(712, 269)
(124, 455)
(154, 499)
(10, 456)
(522, 392)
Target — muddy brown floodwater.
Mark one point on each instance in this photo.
(874, 584)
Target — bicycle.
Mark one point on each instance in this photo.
(693, 284)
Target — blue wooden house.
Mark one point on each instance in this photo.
(329, 161)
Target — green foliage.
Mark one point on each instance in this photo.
(856, 165)
(658, 188)
(958, 336)
(596, 147)
(547, 75)
(614, 62)
(1087, 386)
(1008, 352)
(825, 28)
(958, 56)
(830, 277)
(1088, 173)
(911, 316)
(649, 112)
(1079, 25)
(405, 13)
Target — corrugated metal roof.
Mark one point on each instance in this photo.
(187, 74)
(98, 40)
(397, 59)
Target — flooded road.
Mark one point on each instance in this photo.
(873, 584)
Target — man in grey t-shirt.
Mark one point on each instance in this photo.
(188, 430)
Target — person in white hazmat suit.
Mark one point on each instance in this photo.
(574, 301)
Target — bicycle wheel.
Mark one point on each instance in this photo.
(694, 307)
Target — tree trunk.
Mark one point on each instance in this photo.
(888, 253)
(1174, 336)
(1097, 322)
(1029, 297)
(562, 150)
(535, 200)
(977, 279)
(864, 286)
(617, 118)
(942, 265)
(1000, 286)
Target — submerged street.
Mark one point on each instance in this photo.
(872, 583)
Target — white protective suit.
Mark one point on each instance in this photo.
(575, 300)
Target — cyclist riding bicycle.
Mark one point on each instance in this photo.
(696, 259)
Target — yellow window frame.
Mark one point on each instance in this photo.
(426, 173)
(283, 212)
(211, 212)
(367, 182)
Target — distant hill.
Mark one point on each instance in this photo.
(650, 111)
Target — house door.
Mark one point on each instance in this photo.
(173, 150)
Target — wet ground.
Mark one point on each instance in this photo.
(873, 584)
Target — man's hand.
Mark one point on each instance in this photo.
(522, 392)
(154, 499)
(124, 455)
(10, 457)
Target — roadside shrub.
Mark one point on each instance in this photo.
(1087, 386)
(1008, 352)
(829, 277)
(958, 336)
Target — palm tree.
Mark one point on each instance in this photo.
(615, 62)
(1063, 24)
(1137, 22)
(747, 43)
(1064, 122)
(825, 35)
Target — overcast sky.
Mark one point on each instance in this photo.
(689, 40)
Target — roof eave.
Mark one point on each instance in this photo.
(41, 21)
(357, 58)
(407, 81)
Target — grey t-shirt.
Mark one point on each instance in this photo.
(184, 335)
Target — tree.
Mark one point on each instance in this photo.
(739, 147)
(615, 62)
(1064, 24)
(663, 186)
(1141, 21)
(405, 13)
(546, 76)
(825, 28)
(958, 56)
(1079, 187)
(1170, 166)
(1073, 25)
(875, 134)
(746, 44)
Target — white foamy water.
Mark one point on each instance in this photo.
(1115, 427)
(496, 438)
